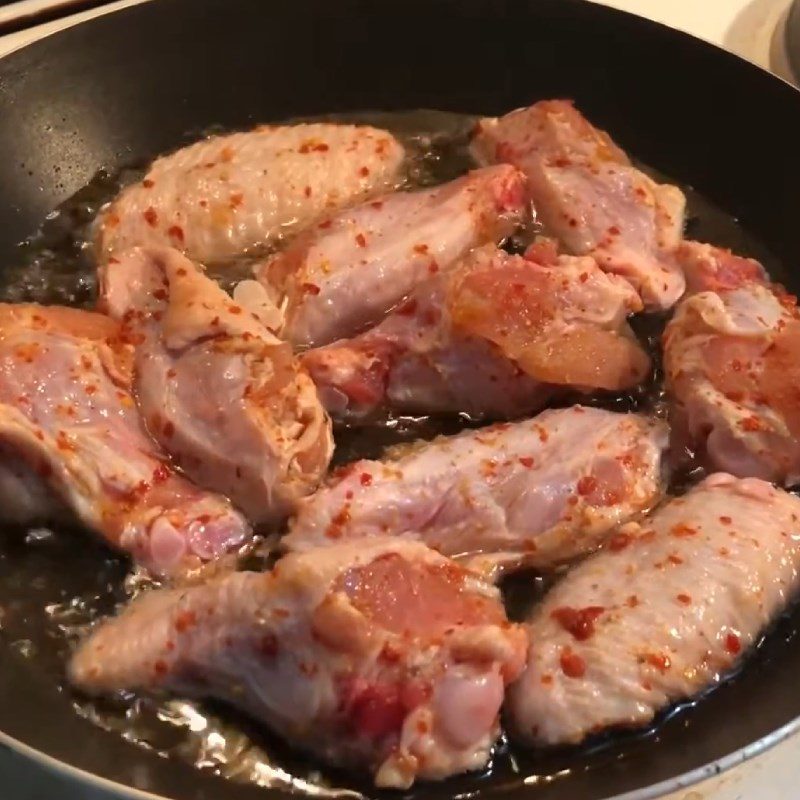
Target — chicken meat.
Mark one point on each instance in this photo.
(495, 337)
(537, 492)
(589, 195)
(663, 612)
(732, 366)
(228, 195)
(351, 269)
(69, 426)
(378, 654)
(220, 393)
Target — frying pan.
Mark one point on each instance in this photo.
(134, 83)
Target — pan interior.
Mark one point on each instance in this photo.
(54, 584)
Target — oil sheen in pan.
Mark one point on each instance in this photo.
(56, 582)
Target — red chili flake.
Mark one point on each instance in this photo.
(160, 667)
(185, 620)
(235, 309)
(365, 479)
(421, 248)
(578, 621)
(377, 204)
(684, 598)
(160, 473)
(326, 224)
(543, 434)
(310, 288)
(725, 520)
(619, 541)
(148, 184)
(572, 665)
(732, 644)
(150, 217)
(168, 429)
(268, 645)
(160, 294)
(176, 232)
(361, 240)
(547, 679)
(433, 268)
(226, 154)
(674, 559)
(90, 389)
(236, 199)
(363, 172)
(307, 191)
(587, 484)
(526, 461)
(181, 271)
(583, 277)
(750, 424)
(632, 601)
(614, 230)
(659, 661)
(682, 530)
(171, 373)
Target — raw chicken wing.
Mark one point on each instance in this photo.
(660, 614)
(349, 271)
(69, 422)
(536, 492)
(732, 364)
(227, 195)
(589, 195)
(497, 336)
(378, 654)
(221, 394)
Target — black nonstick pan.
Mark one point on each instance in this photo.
(124, 87)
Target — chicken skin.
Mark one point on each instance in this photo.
(732, 365)
(350, 270)
(534, 493)
(226, 196)
(663, 612)
(380, 653)
(589, 195)
(68, 423)
(496, 337)
(219, 392)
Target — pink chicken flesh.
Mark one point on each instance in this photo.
(732, 364)
(222, 395)
(589, 195)
(663, 612)
(228, 195)
(68, 421)
(534, 493)
(380, 653)
(351, 269)
(497, 336)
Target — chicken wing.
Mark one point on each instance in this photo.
(222, 395)
(349, 271)
(496, 336)
(536, 492)
(378, 654)
(589, 195)
(67, 418)
(663, 612)
(732, 365)
(227, 195)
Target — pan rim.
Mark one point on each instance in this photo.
(79, 775)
